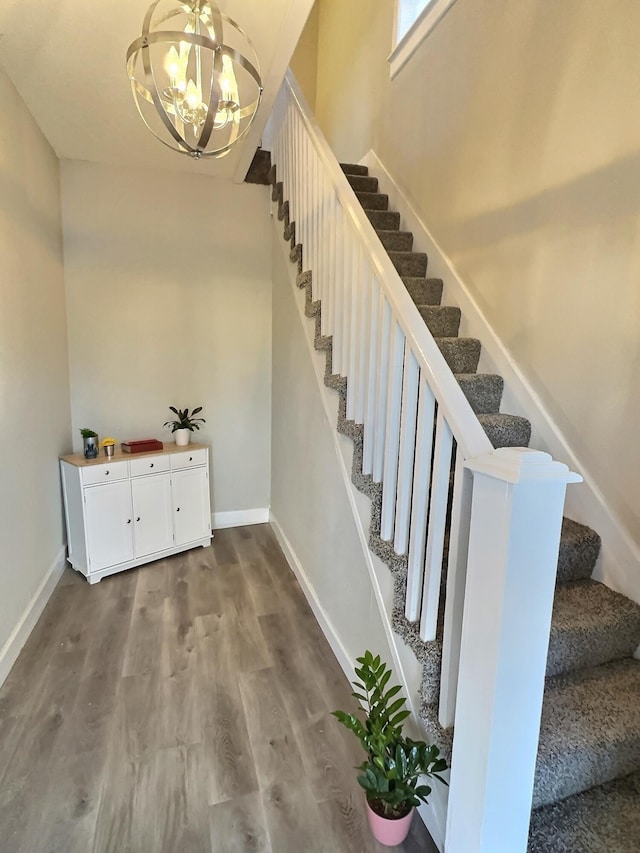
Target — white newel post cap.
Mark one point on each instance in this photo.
(521, 464)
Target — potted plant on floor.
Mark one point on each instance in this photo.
(391, 772)
(184, 424)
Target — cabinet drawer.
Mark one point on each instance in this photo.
(105, 473)
(188, 459)
(149, 465)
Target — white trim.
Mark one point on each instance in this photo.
(314, 602)
(620, 558)
(239, 517)
(426, 21)
(26, 623)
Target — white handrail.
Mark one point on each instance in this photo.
(464, 424)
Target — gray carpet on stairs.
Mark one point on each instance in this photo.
(587, 785)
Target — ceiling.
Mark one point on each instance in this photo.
(67, 60)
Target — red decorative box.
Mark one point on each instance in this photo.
(142, 445)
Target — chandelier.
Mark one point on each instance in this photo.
(193, 83)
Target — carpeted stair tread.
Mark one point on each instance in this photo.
(590, 732)
(506, 430)
(579, 550)
(605, 819)
(373, 201)
(482, 390)
(591, 625)
(396, 241)
(443, 321)
(259, 171)
(363, 183)
(354, 169)
(387, 220)
(423, 291)
(461, 354)
(413, 264)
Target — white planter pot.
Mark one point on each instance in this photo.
(183, 437)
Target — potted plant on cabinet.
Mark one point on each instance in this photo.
(185, 424)
(90, 443)
(391, 772)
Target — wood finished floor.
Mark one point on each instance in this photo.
(182, 707)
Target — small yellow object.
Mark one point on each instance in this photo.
(107, 442)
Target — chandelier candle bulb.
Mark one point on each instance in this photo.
(195, 77)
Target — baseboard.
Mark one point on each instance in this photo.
(319, 612)
(20, 634)
(239, 518)
(620, 557)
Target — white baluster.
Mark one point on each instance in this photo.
(420, 499)
(407, 450)
(354, 349)
(456, 580)
(349, 324)
(436, 529)
(392, 434)
(364, 331)
(338, 276)
(313, 218)
(328, 315)
(372, 357)
(382, 389)
(346, 306)
(304, 187)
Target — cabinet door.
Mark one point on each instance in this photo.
(152, 513)
(191, 513)
(109, 524)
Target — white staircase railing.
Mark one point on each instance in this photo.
(421, 438)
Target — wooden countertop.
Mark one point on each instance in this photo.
(79, 461)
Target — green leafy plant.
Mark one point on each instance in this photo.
(185, 420)
(391, 773)
(88, 433)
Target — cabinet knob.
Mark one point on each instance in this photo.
(178, 509)
(106, 473)
(191, 459)
(128, 521)
(151, 465)
(138, 518)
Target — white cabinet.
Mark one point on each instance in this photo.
(109, 524)
(127, 511)
(190, 499)
(151, 507)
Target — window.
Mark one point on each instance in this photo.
(414, 21)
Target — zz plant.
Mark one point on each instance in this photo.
(391, 773)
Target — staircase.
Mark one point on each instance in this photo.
(587, 780)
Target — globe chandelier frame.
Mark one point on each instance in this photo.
(205, 92)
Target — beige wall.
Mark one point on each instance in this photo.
(168, 282)
(304, 62)
(514, 132)
(34, 383)
(309, 499)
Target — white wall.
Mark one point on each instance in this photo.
(34, 383)
(168, 281)
(309, 499)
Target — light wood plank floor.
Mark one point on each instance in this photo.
(182, 707)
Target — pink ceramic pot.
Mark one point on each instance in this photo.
(386, 831)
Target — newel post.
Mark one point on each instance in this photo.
(516, 518)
